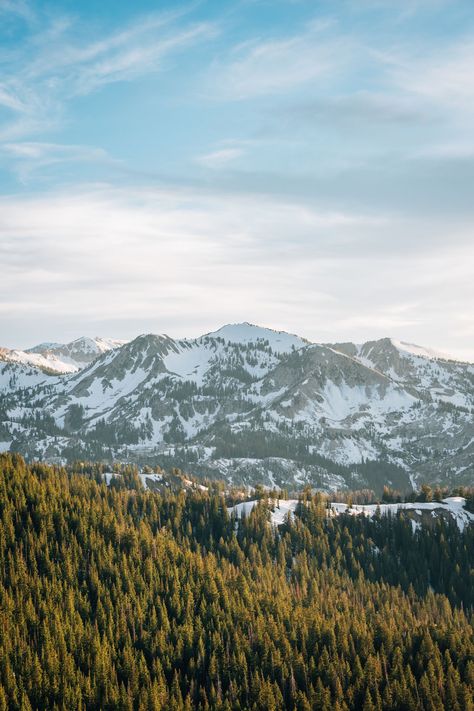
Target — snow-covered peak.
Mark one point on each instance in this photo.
(420, 351)
(93, 346)
(42, 361)
(389, 348)
(220, 395)
(64, 357)
(98, 344)
(208, 356)
(280, 341)
(420, 369)
(46, 346)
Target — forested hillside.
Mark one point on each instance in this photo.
(122, 598)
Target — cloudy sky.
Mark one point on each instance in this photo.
(171, 167)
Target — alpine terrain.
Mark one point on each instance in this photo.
(248, 405)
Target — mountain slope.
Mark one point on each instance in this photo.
(444, 379)
(254, 405)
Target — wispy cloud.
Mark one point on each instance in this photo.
(442, 77)
(220, 157)
(18, 8)
(10, 101)
(264, 67)
(126, 56)
(344, 192)
(39, 79)
(29, 157)
(417, 94)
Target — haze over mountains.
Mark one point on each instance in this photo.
(246, 404)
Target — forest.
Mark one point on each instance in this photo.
(116, 597)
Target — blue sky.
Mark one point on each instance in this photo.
(170, 167)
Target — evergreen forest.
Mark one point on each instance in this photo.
(119, 598)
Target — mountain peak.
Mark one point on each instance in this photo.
(66, 357)
(422, 351)
(246, 332)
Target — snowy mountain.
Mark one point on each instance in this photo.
(418, 368)
(249, 405)
(62, 357)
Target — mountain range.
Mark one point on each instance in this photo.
(248, 405)
(62, 357)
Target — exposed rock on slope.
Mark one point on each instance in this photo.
(253, 405)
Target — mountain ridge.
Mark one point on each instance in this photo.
(253, 405)
(62, 358)
(89, 348)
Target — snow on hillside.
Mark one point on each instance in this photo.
(45, 346)
(49, 361)
(416, 367)
(453, 505)
(93, 346)
(64, 358)
(421, 351)
(248, 407)
(280, 341)
(277, 515)
(193, 358)
(341, 400)
(101, 397)
(16, 376)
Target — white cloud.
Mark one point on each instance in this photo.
(186, 261)
(355, 228)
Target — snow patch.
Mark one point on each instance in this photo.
(453, 505)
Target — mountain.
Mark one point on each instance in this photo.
(416, 367)
(62, 357)
(252, 405)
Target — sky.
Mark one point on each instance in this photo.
(171, 167)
